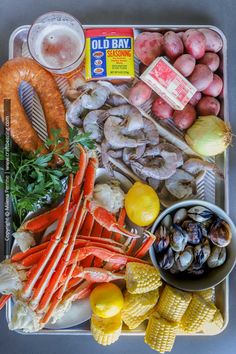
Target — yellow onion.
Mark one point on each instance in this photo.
(209, 136)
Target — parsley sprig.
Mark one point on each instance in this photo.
(35, 181)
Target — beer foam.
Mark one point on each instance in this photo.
(58, 46)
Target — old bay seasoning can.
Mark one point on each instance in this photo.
(109, 53)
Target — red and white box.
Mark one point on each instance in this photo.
(168, 83)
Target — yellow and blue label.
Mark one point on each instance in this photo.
(109, 54)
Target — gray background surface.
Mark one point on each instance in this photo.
(221, 13)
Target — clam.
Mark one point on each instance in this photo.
(217, 257)
(220, 233)
(174, 269)
(199, 213)
(180, 216)
(194, 232)
(194, 271)
(166, 259)
(184, 259)
(178, 239)
(162, 239)
(201, 252)
(167, 221)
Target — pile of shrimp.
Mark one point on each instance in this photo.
(124, 134)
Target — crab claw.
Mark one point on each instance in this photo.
(106, 219)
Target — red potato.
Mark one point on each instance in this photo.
(207, 106)
(185, 64)
(148, 46)
(195, 43)
(180, 34)
(212, 60)
(221, 95)
(173, 45)
(185, 118)
(201, 77)
(139, 93)
(195, 99)
(215, 87)
(214, 41)
(162, 109)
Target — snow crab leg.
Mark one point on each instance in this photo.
(28, 287)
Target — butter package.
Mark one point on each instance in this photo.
(109, 53)
(168, 83)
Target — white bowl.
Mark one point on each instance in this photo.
(215, 275)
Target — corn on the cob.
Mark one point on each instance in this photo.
(134, 321)
(139, 304)
(141, 278)
(197, 314)
(207, 294)
(160, 333)
(137, 307)
(106, 330)
(173, 303)
(215, 325)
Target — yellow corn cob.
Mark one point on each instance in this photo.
(215, 325)
(160, 333)
(197, 314)
(134, 321)
(139, 304)
(173, 303)
(207, 294)
(106, 330)
(141, 278)
(137, 307)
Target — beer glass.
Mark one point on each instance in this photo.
(56, 41)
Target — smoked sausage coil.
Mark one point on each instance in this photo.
(12, 73)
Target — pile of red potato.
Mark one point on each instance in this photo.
(194, 54)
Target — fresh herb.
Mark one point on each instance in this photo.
(35, 181)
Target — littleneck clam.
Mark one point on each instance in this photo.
(200, 213)
(217, 257)
(194, 232)
(220, 233)
(166, 259)
(167, 221)
(162, 239)
(180, 216)
(178, 239)
(192, 241)
(184, 259)
(202, 252)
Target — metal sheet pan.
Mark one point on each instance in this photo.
(214, 191)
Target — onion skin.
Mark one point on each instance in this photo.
(209, 136)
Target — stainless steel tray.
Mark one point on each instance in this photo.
(209, 189)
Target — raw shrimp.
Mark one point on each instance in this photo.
(92, 123)
(116, 154)
(105, 146)
(134, 153)
(78, 87)
(195, 166)
(160, 168)
(116, 100)
(115, 137)
(150, 131)
(181, 184)
(132, 118)
(166, 198)
(171, 148)
(96, 97)
(74, 112)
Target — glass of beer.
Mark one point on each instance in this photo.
(56, 41)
